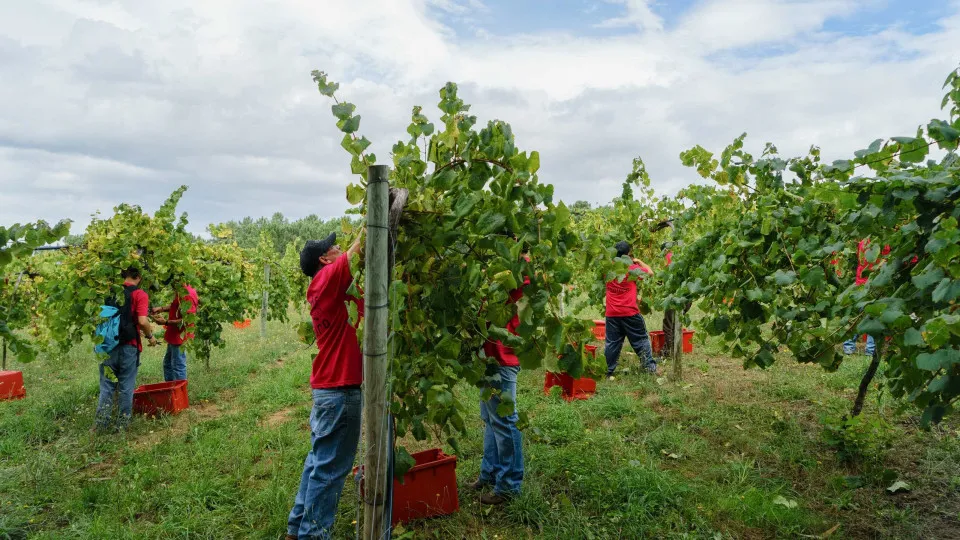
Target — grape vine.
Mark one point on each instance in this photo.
(475, 208)
(17, 243)
(798, 215)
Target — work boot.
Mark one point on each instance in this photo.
(477, 486)
(493, 498)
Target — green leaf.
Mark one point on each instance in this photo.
(912, 150)
(506, 280)
(947, 290)
(913, 338)
(354, 146)
(325, 87)
(479, 174)
(898, 486)
(533, 164)
(465, 204)
(349, 125)
(946, 135)
(754, 294)
(944, 358)
(402, 462)
(343, 111)
(784, 278)
(355, 193)
(490, 222)
(788, 503)
(939, 384)
(506, 407)
(928, 278)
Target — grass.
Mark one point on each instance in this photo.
(727, 453)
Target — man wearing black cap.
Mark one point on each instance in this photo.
(623, 318)
(335, 379)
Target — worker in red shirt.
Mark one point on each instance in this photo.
(623, 319)
(176, 333)
(864, 267)
(118, 373)
(335, 379)
(502, 463)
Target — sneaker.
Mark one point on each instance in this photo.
(290, 537)
(611, 378)
(493, 498)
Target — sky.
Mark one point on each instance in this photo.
(110, 101)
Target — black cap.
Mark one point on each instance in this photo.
(312, 251)
(622, 248)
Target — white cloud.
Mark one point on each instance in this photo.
(638, 14)
(103, 102)
(723, 24)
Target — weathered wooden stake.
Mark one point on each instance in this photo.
(376, 315)
(263, 302)
(677, 347)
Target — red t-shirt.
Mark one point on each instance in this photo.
(174, 333)
(139, 307)
(504, 354)
(338, 361)
(622, 298)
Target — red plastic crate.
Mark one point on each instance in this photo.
(11, 385)
(600, 329)
(571, 388)
(170, 397)
(429, 488)
(657, 341)
(687, 341)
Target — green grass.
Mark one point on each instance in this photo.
(723, 454)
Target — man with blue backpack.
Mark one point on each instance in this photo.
(122, 345)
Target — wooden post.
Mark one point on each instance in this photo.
(676, 353)
(376, 314)
(263, 302)
(15, 287)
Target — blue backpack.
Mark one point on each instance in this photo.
(116, 324)
(109, 329)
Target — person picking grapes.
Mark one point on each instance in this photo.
(335, 380)
(118, 373)
(623, 318)
(502, 465)
(176, 334)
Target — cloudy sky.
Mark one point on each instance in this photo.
(108, 101)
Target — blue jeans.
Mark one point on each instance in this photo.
(633, 328)
(850, 345)
(502, 464)
(334, 434)
(175, 363)
(123, 360)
